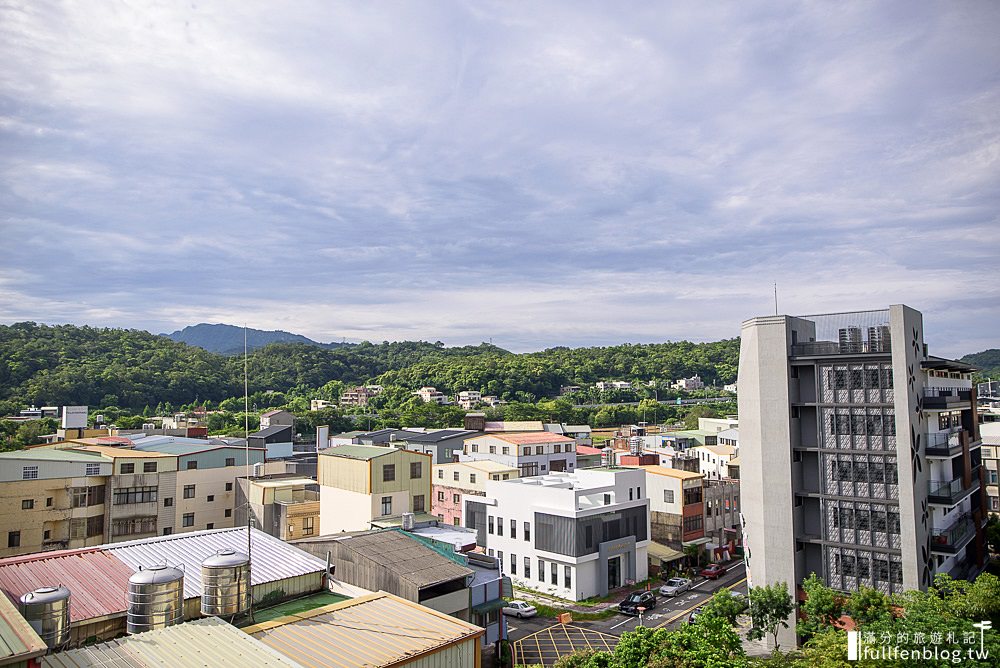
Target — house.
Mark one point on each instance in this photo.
(729, 437)
(571, 534)
(357, 396)
(450, 481)
(581, 433)
(718, 425)
(443, 445)
(569, 389)
(532, 453)
(676, 506)
(605, 385)
(374, 631)
(430, 395)
(320, 404)
(276, 441)
(730, 387)
(692, 383)
(363, 484)
(587, 456)
(469, 399)
(395, 561)
(285, 506)
(276, 418)
(714, 460)
(492, 401)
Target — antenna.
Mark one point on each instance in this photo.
(775, 299)
(246, 432)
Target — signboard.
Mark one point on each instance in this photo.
(506, 588)
(74, 417)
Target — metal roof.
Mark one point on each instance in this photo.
(54, 454)
(364, 452)
(204, 642)
(366, 632)
(271, 431)
(116, 452)
(271, 558)
(405, 556)
(18, 641)
(96, 580)
(530, 438)
(174, 448)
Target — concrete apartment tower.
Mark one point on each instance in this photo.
(860, 454)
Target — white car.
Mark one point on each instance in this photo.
(675, 586)
(519, 609)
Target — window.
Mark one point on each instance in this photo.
(513, 528)
(308, 526)
(440, 495)
(187, 520)
(489, 524)
(27, 504)
(167, 531)
(557, 448)
(457, 521)
(386, 505)
(630, 493)
(475, 447)
(527, 567)
(527, 531)
(541, 570)
(230, 461)
(440, 474)
(127, 468)
(493, 449)
(211, 498)
(513, 564)
(48, 502)
(149, 467)
(607, 499)
(693, 523)
(505, 450)
(93, 469)
(416, 470)
(29, 473)
(527, 450)
(229, 486)
(539, 449)
(13, 539)
(472, 477)
(668, 496)
(210, 525)
(46, 535)
(192, 465)
(506, 476)
(388, 472)
(455, 498)
(418, 503)
(554, 572)
(127, 495)
(454, 475)
(229, 512)
(499, 526)
(168, 501)
(188, 491)
(500, 559)
(567, 577)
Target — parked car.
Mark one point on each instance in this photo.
(520, 609)
(636, 600)
(713, 571)
(694, 614)
(675, 586)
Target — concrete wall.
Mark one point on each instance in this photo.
(343, 510)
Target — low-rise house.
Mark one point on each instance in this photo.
(587, 456)
(714, 460)
(568, 389)
(469, 399)
(573, 535)
(581, 433)
(276, 418)
(276, 440)
(364, 484)
(451, 481)
(374, 631)
(430, 395)
(357, 396)
(492, 401)
(676, 506)
(533, 453)
(285, 506)
(443, 445)
(692, 383)
(605, 385)
(320, 404)
(718, 424)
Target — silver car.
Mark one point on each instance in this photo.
(675, 586)
(519, 609)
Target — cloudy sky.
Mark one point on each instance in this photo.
(544, 174)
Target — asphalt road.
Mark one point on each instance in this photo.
(669, 612)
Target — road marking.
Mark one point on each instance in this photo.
(627, 620)
(684, 612)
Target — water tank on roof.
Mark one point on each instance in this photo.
(47, 611)
(225, 581)
(607, 457)
(155, 599)
(407, 521)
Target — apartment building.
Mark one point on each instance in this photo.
(571, 534)
(52, 500)
(860, 453)
(676, 505)
(532, 453)
(365, 484)
(713, 460)
(285, 506)
(356, 396)
(693, 383)
(469, 399)
(451, 481)
(605, 385)
(722, 509)
(990, 432)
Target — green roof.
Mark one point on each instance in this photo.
(365, 452)
(18, 641)
(54, 455)
(295, 607)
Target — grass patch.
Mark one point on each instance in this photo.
(549, 611)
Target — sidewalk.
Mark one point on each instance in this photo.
(616, 595)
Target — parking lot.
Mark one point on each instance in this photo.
(546, 646)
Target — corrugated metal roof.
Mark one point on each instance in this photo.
(533, 437)
(205, 642)
(18, 641)
(54, 454)
(113, 452)
(363, 452)
(272, 559)
(366, 632)
(96, 580)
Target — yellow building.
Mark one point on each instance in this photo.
(52, 500)
(362, 484)
(285, 506)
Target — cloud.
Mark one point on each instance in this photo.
(543, 174)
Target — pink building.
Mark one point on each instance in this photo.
(450, 481)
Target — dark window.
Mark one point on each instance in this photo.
(472, 477)
(527, 567)
(187, 519)
(554, 573)
(513, 528)
(229, 486)
(230, 461)
(128, 468)
(95, 526)
(126, 495)
(567, 577)
(46, 535)
(541, 570)
(168, 501)
(489, 524)
(192, 465)
(210, 525)
(416, 469)
(13, 539)
(418, 503)
(211, 498)
(455, 498)
(386, 505)
(527, 531)
(499, 526)
(149, 467)
(513, 564)
(229, 512)
(188, 491)
(27, 504)
(167, 531)
(388, 472)
(693, 523)
(48, 502)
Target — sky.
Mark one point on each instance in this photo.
(531, 173)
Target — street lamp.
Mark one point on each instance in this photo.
(641, 610)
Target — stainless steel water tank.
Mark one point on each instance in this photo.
(155, 599)
(225, 581)
(47, 610)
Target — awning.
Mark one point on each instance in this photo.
(697, 541)
(488, 606)
(663, 552)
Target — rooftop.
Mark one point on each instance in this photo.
(203, 642)
(283, 482)
(721, 450)
(117, 453)
(18, 641)
(53, 455)
(484, 465)
(524, 425)
(438, 435)
(365, 632)
(363, 452)
(531, 438)
(658, 469)
(271, 431)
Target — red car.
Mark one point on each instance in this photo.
(714, 571)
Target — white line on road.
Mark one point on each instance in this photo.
(620, 623)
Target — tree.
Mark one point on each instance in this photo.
(993, 534)
(725, 605)
(587, 658)
(867, 606)
(710, 642)
(770, 606)
(821, 609)
(699, 411)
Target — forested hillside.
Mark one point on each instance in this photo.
(988, 363)
(228, 339)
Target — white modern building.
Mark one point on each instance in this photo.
(431, 395)
(693, 383)
(469, 399)
(713, 460)
(532, 453)
(572, 535)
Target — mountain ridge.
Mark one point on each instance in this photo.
(224, 339)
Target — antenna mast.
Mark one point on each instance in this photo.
(246, 432)
(775, 299)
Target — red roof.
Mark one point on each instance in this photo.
(533, 437)
(587, 450)
(97, 581)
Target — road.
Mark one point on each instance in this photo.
(668, 613)
(665, 402)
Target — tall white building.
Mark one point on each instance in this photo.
(859, 453)
(573, 535)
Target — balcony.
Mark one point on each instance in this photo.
(946, 397)
(827, 348)
(949, 492)
(944, 444)
(954, 538)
